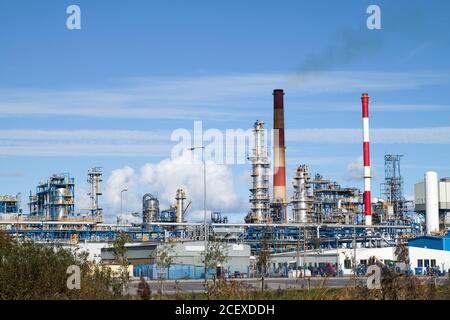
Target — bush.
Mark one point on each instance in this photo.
(38, 271)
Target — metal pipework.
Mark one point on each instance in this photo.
(366, 160)
(279, 150)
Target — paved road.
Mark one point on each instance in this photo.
(273, 283)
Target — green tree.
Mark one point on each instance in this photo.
(120, 254)
(164, 256)
(263, 260)
(216, 255)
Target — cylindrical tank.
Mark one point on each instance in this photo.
(150, 208)
(431, 202)
(59, 204)
(60, 194)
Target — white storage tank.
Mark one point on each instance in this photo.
(431, 201)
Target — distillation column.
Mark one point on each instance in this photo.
(259, 197)
(180, 199)
(366, 160)
(94, 178)
(300, 198)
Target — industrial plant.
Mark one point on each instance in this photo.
(320, 223)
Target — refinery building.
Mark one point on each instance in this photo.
(320, 224)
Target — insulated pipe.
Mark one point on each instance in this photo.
(279, 151)
(366, 160)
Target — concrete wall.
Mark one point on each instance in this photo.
(186, 252)
(190, 252)
(441, 257)
(331, 256)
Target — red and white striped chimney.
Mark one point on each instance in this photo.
(366, 161)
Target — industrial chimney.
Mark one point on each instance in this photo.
(431, 202)
(279, 150)
(366, 160)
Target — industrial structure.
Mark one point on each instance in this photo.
(94, 179)
(259, 197)
(54, 199)
(432, 199)
(302, 200)
(10, 204)
(279, 159)
(320, 214)
(366, 161)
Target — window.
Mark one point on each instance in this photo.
(427, 263)
(363, 262)
(433, 263)
(420, 263)
(347, 264)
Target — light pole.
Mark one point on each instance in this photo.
(337, 255)
(121, 202)
(354, 248)
(204, 202)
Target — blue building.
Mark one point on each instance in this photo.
(9, 205)
(431, 242)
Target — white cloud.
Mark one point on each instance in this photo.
(85, 143)
(355, 170)
(158, 144)
(167, 176)
(375, 106)
(83, 202)
(163, 179)
(120, 179)
(438, 135)
(207, 97)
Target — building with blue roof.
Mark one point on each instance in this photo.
(431, 242)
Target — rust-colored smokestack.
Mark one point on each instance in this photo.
(279, 150)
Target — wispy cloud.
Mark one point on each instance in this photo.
(14, 174)
(219, 97)
(158, 144)
(375, 106)
(438, 135)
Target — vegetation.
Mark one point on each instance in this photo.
(39, 271)
(164, 256)
(120, 252)
(238, 290)
(36, 271)
(216, 255)
(144, 290)
(263, 260)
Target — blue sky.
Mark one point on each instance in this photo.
(111, 93)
